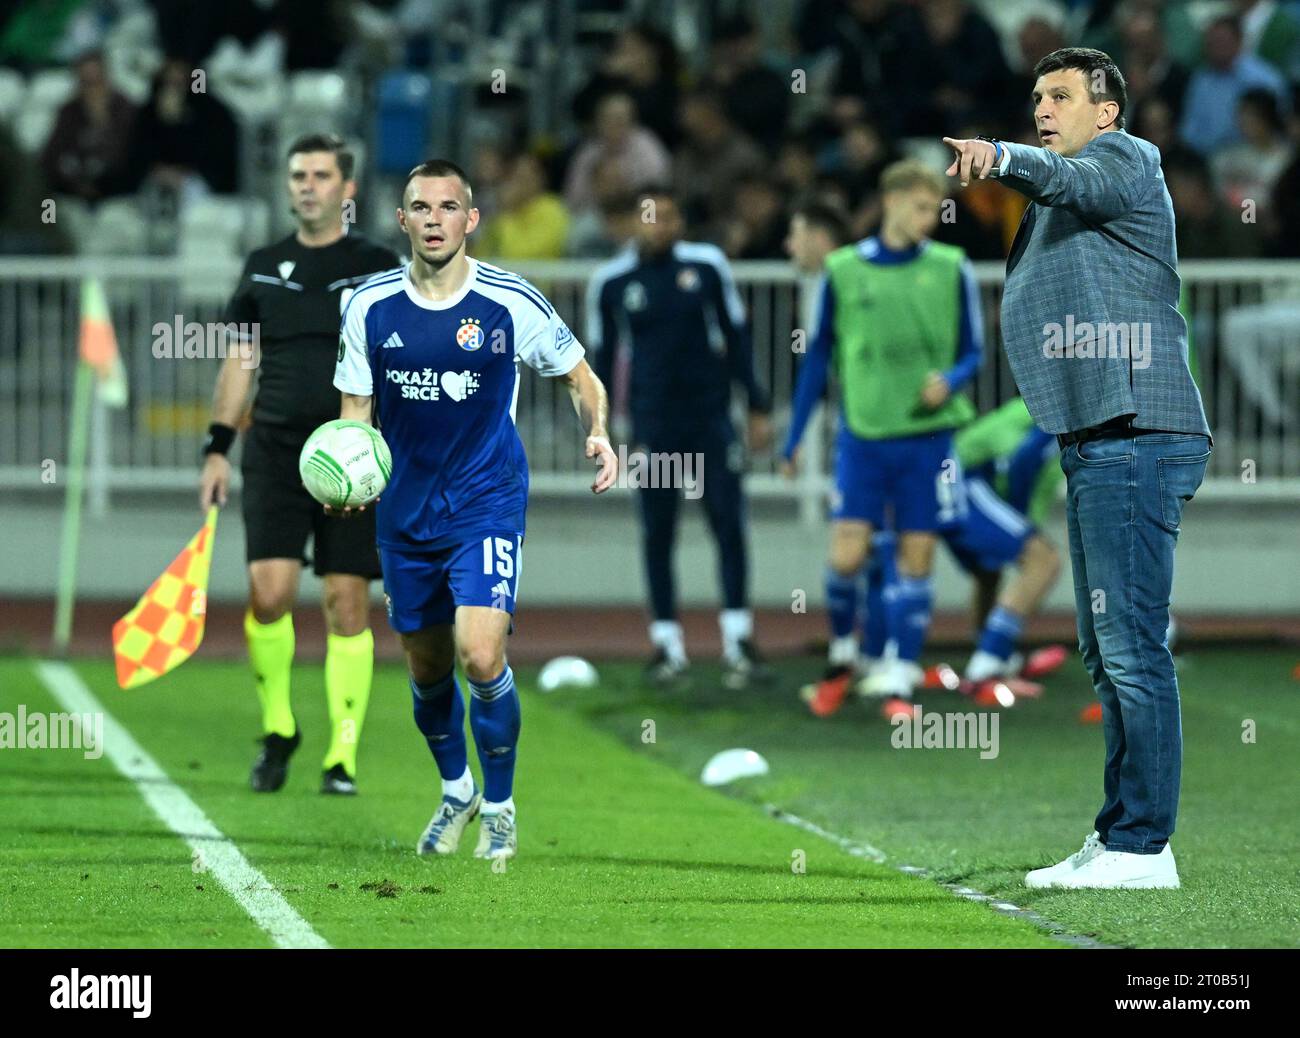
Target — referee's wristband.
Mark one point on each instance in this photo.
(220, 439)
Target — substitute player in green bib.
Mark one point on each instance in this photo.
(900, 320)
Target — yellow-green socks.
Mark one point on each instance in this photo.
(349, 668)
(270, 651)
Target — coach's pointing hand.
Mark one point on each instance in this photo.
(972, 157)
(598, 447)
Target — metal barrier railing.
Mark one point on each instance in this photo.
(1245, 320)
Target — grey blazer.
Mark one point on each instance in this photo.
(1090, 317)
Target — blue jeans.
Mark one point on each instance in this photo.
(1124, 501)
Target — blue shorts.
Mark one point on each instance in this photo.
(990, 535)
(423, 588)
(906, 473)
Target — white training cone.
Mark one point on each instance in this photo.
(730, 765)
(567, 672)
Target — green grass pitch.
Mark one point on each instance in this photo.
(619, 843)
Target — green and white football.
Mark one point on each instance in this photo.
(344, 464)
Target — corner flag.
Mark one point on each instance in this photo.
(98, 345)
(166, 625)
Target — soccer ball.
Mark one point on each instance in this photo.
(567, 672)
(345, 464)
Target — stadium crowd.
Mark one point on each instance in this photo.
(744, 113)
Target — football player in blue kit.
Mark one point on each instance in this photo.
(431, 354)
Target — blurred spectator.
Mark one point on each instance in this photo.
(1144, 58)
(857, 158)
(954, 73)
(1035, 39)
(1153, 120)
(86, 153)
(644, 65)
(315, 33)
(184, 143)
(1210, 109)
(191, 31)
(1249, 170)
(25, 224)
(855, 162)
(532, 223)
(1207, 228)
(714, 155)
(869, 37)
(1269, 31)
(756, 227)
(1103, 27)
(981, 220)
(640, 156)
(602, 232)
(796, 166)
(756, 97)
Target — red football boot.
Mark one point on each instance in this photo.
(1044, 661)
(941, 676)
(826, 696)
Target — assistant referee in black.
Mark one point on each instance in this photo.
(288, 301)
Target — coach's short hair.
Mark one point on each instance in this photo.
(440, 168)
(330, 142)
(1105, 80)
(910, 173)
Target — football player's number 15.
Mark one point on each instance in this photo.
(505, 560)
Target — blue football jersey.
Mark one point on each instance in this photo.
(445, 379)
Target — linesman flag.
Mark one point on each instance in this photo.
(166, 625)
(98, 344)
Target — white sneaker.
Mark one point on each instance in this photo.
(890, 679)
(1121, 870)
(1047, 877)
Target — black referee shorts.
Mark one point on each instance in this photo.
(279, 514)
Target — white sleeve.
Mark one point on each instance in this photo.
(544, 342)
(352, 372)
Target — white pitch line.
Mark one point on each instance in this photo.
(219, 855)
(865, 850)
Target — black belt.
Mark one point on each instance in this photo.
(1108, 430)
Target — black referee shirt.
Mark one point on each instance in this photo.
(295, 295)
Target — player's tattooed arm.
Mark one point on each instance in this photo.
(355, 409)
(592, 404)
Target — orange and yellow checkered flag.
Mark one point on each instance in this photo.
(166, 625)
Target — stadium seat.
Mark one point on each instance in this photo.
(118, 229)
(12, 88)
(403, 124)
(46, 94)
(218, 229)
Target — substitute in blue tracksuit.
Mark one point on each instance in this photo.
(674, 305)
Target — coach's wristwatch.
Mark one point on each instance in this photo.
(998, 152)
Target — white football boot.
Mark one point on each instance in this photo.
(498, 836)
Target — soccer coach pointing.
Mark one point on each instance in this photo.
(1092, 331)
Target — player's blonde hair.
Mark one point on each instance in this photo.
(910, 173)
